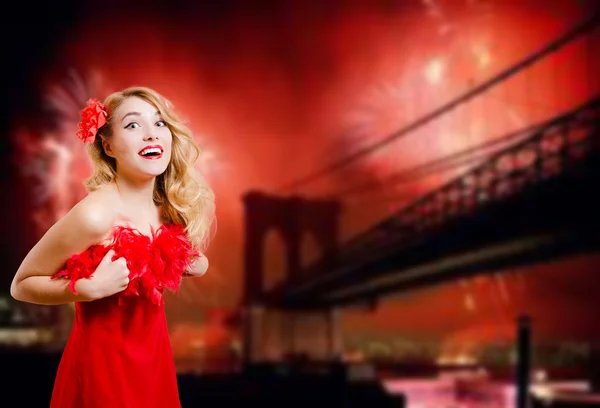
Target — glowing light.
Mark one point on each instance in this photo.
(210, 163)
(482, 56)
(543, 392)
(432, 8)
(470, 302)
(53, 158)
(468, 298)
(540, 376)
(429, 78)
(456, 360)
(434, 70)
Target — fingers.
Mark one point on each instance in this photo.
(122, 269)
(108, 257)
(121, 262)
(126, 279)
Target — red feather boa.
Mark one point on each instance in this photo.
(155, 263)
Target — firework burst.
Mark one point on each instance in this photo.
(50, 157)
(55, 163)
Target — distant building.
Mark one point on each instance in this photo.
(28, 325)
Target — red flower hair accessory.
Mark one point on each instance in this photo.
(93, 117)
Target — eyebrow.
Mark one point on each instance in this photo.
(137, 114)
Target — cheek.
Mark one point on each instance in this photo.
(166, 135)
(125, 148)
(122, 146)
(167, 141)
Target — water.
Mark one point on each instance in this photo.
(448, 392)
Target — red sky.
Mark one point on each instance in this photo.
(276, 95)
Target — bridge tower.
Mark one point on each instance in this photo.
(272, 332)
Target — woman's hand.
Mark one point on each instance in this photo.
(198, 268)
(109, 278)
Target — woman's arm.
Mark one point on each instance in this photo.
(87, 223)
(198, 268)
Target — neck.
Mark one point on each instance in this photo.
(137, 193)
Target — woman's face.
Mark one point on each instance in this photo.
(141, 140)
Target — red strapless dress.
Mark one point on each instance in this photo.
(118, 353)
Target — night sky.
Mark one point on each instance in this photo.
(275, 90)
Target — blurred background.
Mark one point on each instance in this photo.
(405, 192)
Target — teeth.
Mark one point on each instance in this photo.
(146, 152)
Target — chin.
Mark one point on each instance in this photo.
(149, 172)
(156, 172)
(155, 168)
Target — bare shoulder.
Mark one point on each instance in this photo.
(89, 222)
(93, 216)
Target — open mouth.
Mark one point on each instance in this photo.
(151, 152)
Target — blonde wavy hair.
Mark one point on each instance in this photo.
(184, 199)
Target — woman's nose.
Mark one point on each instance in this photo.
(150, 135)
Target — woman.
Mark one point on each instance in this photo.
(142, 227)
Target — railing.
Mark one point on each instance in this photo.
(546, 149)
(552, 148)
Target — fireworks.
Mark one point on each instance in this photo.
(51, 159)
(55, 163)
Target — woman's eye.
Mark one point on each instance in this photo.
(161, 123)
(132, 125)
